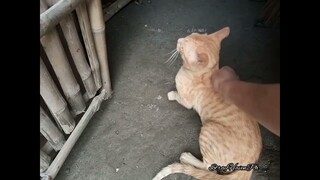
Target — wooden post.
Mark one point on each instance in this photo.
(114, 8)
(77, 52)
(64, 152)
(58, 59)
(44, 161)
(54, 100)
(84, 23)
(98, 29)
(53, 16)
(50, 131)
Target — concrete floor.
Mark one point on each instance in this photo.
(138, 131)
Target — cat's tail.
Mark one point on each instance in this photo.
(195, 172)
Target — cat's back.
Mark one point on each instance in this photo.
(226, 128)
(225, 122)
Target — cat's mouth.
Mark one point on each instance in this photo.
(185, 63)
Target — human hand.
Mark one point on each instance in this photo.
(221, 77)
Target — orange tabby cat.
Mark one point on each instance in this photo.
(228, 135)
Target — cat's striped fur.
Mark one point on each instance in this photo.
(228, 135)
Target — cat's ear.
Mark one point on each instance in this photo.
(221, 34)
(203, 59)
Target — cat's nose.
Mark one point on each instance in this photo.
(179, 44)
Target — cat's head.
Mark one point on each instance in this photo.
(200, 52)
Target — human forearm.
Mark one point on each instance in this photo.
(262, 101)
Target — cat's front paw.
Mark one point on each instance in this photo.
(172, 95)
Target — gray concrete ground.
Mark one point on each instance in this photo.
(138, 131)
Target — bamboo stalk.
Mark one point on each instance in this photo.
(58, 59)
(64, 152)
(54, 100)
(98, 29)
(47, 148)
(50, 131)
(114, 8)
(44, 161)
(51, 17)
(77, 52)
(84, 23)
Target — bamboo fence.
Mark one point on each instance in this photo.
(72, 34)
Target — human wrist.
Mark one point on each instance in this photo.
(225, 88)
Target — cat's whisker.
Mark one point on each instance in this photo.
(167, 61)
(175, 58)
(171, 57)
(175, 55)
(172, 51)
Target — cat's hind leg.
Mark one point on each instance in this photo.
(188, 158)
(173, 95)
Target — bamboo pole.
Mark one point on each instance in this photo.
(44, 161)
(84, 23)
(64, 152)
(47, 148)
(50, 131)
(98, 29)
(54, 100)
(58, 59)
(114, 8)
(77, 52)
(50, 18)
